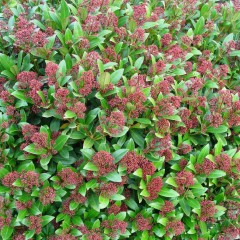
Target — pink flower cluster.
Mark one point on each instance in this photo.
(114, 226)
(223, 162)
(166, 208)
(207, 211)
(104, 162)
(175, 227)
(26, 35)
(143, 223)
(154, 187)
(47, 195)
(69, 177)
(35, 223)
(206, 167)
(132, 162)
(184, 179)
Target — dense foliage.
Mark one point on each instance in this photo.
(119, 119)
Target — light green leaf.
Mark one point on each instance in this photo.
(88, 153)
(167, 192)
(199, 26)
(217, 174)
(194, 203)
(116, 76)
(88, 143)
(6, 232)
(204, 152)
(117, 197)
(46, 219)
(119, 154)
(34, 150)
(90, 166)
(220, 129)
(114, 177)
(69, 114)
(64, 10)
(139, 62)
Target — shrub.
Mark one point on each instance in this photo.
(119, 119)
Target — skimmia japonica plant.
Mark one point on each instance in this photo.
(119, 119)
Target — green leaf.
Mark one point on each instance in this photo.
(194, 203)
(137, 138)
(44, 161)
(29, 234)
(184, 205)
(148, 25)
(167, 192)
(119, 154)
(204, 152)
(46, 219)
(90, 166)
(117, 197)
(34, 150)
(174, 117)
(3, 172)
(143, 120)
(93, 202)
(4, 189)
(178, 72)
(210, 84)
(69, 114)
(139, 62)
(125, 130)
(6, 62)
(88, 153)
(138, 172)
(144, 193)
(104, 79)
(220, 129)
(73, 205)
(96, 224)
(64, 10)
(103, 202)
(228, 38)
(171, 181)
(235, 53)
(199, 26)
(91, 184)
(116, 76)
(114, 177)
(197, 192)
(205, 10)
(88, 143)
(217, 174)
(203, 227)
(44, 176)
(60, 142)
(218, 148)
(77, 220)
(118, 47)
(132, 204)
(6, 232)
(21, 95)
